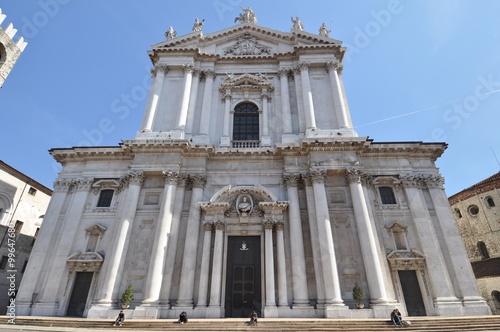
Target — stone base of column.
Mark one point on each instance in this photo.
(271, 311)
(106, 312)
(201, 139)
(289, 139)
(146, 312)
(224, 142)
(475, 305)
(384, 310)
(45, 309)
(213, 312)
(265, 141)
(337, 311)
(22, 308)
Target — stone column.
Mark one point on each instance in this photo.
(269, 260)
(225, 140)
(299, 278)
(328, 260)
(207, 102)
(436, 266)
(266, 140)
(41, 253)
(285, 101)
(188, 271)
(280, 258)
(174, 239)
(465, 279)
(56, 274)
(115, 258)
(313, 227)
(338, 99)
(205, 265)
(183, 110)
(193, 98)
(216, 291)
(300, 102)
(307, 96)
(367, 239)
(159, 77)
(162, 235)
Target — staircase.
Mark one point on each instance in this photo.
(441, 324)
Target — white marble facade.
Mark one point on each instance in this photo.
(305, 205)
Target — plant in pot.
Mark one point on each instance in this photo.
(127, 297)
(357, 295)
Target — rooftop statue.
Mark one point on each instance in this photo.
(171, 33)
(197, 25)
(297, 24)
(248, 16)
(323, 31)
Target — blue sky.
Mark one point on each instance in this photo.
(422, 70)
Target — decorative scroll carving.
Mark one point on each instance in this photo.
(412, 181)
(182, 180)
(291, 180)
(334, 65)
(85, 262)
(62, 185)
(106, 184)
(317, 176)
(219, 226)
(268, 224)
(134, 177)
(434, 181)
(198, 180)
(406, 260)
(82, 184)
(247, 82)
(247, 45)
(170, 177)
(303, 66)
(208, 226)
(355, 175)
(283, 72)
(279, 225)
(188, 68)
(159, 69)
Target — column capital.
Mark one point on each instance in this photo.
(334, 65)
(317, 176)
(291, 180)
(307, 178)
(412, 181)
(82, 184)
(355, 175)
(303, 66)
(182, 180)
(188, 68)
(219, 225)
(198, 180)
(208, 226)
(62, 185)
(279, 225)
(283, 72)
(133, 177)
(266, 95)
(268, 224)
(159, 69)
(434, 181)
(170, 177)
(209, 73)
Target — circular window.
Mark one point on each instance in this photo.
(473, 210)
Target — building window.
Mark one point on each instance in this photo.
(105, 198)
(490, 202)
(473, 210)
(32, 191)
(246, 122)
(18, 227)
(35, 236)
(458, 213)
(496, 297)
(24, 266)
(387, 195)
(3, 262)
(483, 250)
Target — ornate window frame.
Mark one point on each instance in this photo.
(391, 182)
(105, 184)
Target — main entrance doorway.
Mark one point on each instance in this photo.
(243, 284)
(411, 291)
(79, 294)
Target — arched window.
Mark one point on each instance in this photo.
(496, 297)
(483, 250)
(490, 202)
(246, 122)
(387, 195)
(458, 213)
(105, 198)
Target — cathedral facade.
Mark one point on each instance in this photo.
(247, 188)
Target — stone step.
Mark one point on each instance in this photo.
(428, 324)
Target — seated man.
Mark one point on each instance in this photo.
(253, 318)
(183, 317)
(119, 320)
(396, 317)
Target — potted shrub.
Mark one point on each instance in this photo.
(357, 295)
(127, 297)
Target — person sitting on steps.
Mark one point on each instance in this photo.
(253, 318)
(120, 319)
(183, 317)
(396, 317)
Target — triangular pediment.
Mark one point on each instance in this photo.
(247, 80)
(245, 39)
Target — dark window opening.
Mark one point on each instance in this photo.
(105, 198)
(35, 236)
(32, 191)
(24, 266)
(490, 202)
(246, 122)
(459, 214)
(3, 262)
(483, 250)
(387, 195)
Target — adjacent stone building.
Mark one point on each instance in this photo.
(10, 51)
(247, 188)
(477, 214)
(23, 202)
